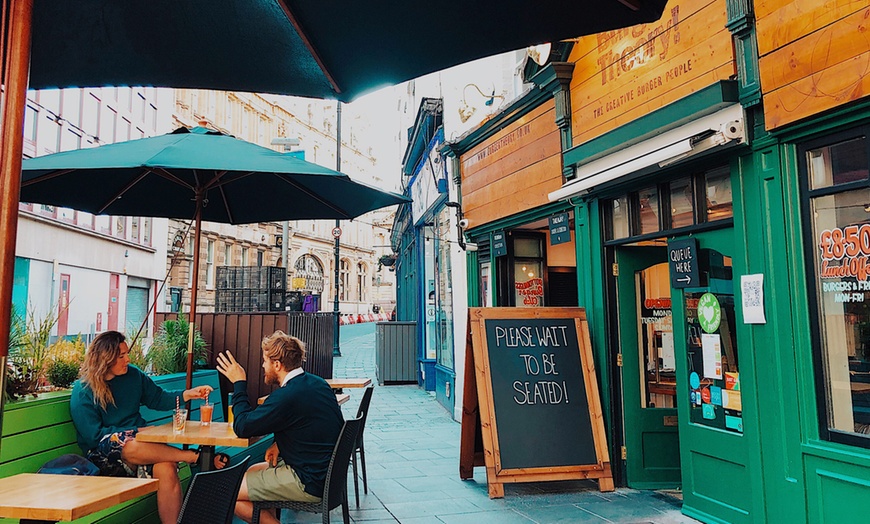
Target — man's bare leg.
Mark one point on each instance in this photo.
(245, 508)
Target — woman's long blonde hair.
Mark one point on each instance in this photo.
(100, 356)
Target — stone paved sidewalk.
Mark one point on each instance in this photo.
(412, 459)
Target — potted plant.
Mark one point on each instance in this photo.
(168, 353)
(387, 260)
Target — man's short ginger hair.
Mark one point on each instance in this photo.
(286, 349)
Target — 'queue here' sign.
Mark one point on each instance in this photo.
(683, 263)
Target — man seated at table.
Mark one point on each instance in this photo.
(105, 406)
(302, 413)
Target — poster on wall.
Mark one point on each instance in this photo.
(530, 293)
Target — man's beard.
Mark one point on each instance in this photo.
(271, 377)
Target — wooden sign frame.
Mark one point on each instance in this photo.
(478, 412)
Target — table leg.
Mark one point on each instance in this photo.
(206, 458)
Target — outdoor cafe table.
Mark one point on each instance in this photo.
(339, 384)
(36, 498)
(206, 437)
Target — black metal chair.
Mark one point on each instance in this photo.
(335, 487)
(361, 413)
(212, 495)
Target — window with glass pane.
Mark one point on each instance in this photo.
(838, 163)
(648, 210)
(841, 236)
(134, 229)
(527, 247)
(209, 264)
(682, 203)
(529, 283)
(619, 224)
(146, 231)
(717, 189)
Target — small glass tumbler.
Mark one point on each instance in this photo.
(179, 420)
(205, 414)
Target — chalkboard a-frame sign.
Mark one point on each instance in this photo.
(531, 407)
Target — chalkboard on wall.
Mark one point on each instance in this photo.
(531, 391)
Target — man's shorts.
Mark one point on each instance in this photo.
(278, 483)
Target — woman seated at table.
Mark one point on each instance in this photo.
(105, 406)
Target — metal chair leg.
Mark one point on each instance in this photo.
(355, 474)
(362, 458)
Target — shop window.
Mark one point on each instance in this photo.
(834, 173)
(715, 398)
(648, 210)
(528, 270)
(618, 220)
(682, 203)
(688, 201)
(719, 200)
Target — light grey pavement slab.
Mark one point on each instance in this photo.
(412, 461)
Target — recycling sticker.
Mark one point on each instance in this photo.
(709, 313)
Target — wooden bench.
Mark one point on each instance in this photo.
(38, 430)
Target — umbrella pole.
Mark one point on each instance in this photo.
(17, 16)
(194, 279)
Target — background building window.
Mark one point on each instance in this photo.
(209, 265)
(344, 281)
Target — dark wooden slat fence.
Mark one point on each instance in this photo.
(242, 333)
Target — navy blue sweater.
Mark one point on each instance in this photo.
(306, 420)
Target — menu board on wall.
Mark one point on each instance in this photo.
(531, 399)
(625, 74)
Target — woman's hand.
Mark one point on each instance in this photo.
(271, 456)
(200, 392)
(229, 368)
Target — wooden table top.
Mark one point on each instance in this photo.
(341, 383)
(341, 398)
(66, 497)
(215, 434)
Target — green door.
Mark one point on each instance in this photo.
(716, 450)
(648, 368)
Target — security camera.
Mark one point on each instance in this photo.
(470, 246)
(733, 130)
(463, 223)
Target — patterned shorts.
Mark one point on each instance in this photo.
(107, 454)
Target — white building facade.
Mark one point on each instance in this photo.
(93, 273)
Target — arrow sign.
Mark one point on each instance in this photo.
(683, 263)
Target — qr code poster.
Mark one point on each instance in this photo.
(752, 287)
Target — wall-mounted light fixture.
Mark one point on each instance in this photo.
(465, 110)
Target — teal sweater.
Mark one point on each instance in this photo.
(130, 390)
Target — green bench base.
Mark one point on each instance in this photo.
(38, 430)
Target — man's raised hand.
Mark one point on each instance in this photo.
(229, 368)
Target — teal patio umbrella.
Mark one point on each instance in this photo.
(316, 48)
(199, 173)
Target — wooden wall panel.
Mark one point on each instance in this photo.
(622, 75)
(529, 127)
(813, 57)
(514, 170)
(524, 190)
(781, 22)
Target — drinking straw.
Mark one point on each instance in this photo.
(176, 404)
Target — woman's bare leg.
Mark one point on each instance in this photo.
(144, 453)
(164, 458)
(245, 508)
(168, 492)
